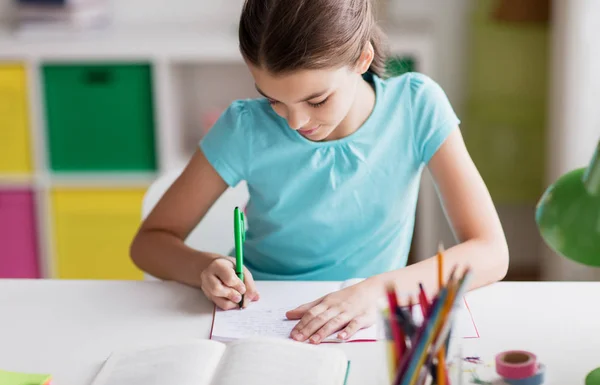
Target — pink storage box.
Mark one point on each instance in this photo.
(18, 235)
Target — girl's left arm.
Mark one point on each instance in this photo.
(467, 203)
(482, 247)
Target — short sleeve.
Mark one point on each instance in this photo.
(227, 144)
(432, 114)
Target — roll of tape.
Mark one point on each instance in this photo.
(536, 379)
(516, 364)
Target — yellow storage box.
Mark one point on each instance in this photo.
(15, 152)
(93, 229)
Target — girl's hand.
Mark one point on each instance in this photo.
(347, 310)
(222, 286)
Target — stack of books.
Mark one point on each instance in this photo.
(61, 15)
(417, 352)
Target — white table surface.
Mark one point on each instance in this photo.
(68, 328)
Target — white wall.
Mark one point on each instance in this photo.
(128, 12)
(574, 114)
(174, 11)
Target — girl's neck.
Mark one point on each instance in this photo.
(359, 112)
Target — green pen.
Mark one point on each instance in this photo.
(239, 230)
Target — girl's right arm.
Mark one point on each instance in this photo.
(158, 248)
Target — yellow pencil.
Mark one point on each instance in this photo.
(441, 367)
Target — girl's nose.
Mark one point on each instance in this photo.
(297, 120)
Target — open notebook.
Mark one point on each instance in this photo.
(267, 318)
(261, 361)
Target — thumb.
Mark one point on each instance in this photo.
(251, 290)
(299, 312)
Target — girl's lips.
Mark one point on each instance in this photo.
(309, 131)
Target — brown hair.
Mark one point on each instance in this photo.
(286, 35)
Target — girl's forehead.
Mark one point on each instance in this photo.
(298, 85)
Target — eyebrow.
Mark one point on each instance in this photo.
(309, 97)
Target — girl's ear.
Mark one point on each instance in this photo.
(365, 59)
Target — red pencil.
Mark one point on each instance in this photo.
(397, 333)
(423, 301)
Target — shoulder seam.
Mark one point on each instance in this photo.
(412, 118)
(247, 128)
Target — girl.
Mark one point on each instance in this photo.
(332, 156)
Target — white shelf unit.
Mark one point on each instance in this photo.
(194, 71)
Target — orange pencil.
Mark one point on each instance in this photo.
(440, 260)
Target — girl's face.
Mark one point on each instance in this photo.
(314, 102)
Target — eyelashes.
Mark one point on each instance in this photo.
(314, 105)
(317, 105)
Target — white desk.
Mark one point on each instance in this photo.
(68, 328)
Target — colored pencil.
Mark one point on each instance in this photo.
(402, 367)
(441, 376)
(423, 301)
(397, 334)
(391, 345)
(407, 323)
(423, 344)
(421, 350)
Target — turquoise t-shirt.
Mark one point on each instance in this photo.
(338, 209)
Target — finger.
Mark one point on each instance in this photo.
(227, 275)
(251, 290)
(333, 325)
(353, 326)
(217, 289)
(299, 312)
(313, 327)
(225, 304)
(298, 332)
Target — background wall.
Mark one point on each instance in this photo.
(140, 12)
(505, 119)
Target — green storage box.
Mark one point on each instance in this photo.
(99, 117)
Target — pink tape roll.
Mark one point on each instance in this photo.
(516, 364)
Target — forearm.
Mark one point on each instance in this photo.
(487, 260)
(165, 256)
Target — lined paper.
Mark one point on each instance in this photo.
(266, 318)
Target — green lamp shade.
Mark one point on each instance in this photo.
(568, 214)
(593, 377)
